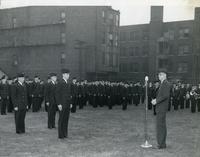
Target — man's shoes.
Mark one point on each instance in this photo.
(162, 147)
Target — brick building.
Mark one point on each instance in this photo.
(44, 39)
(173, 46)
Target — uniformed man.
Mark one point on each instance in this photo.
(10, 104)
(46, 84)
(193, 98)
(4, 95)
(74, 95)
(182, 95)
(51, 100)
(20, 101)
(63, 99)
(36, 94)
(124, 95)
(198, 98)
(187, 101)
(176, 97)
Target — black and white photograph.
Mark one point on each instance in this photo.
(100, 78)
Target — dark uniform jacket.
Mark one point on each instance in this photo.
(63, 94)
(20, 96)
(50, 93)
(4, 91)
(163, 97)
(36, 89)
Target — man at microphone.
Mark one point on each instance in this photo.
(161, 103)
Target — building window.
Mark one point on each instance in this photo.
(145, 51)
(134, 36)
(145, 66)
(123, 36)
(145, 35)
(103, 37)
(123, 67)
(103, 57)
(131, 67)
(63, 56)
(116, 40)
(169, 35)
(163, 63)
(133, 51)
(163, 47)
(103, 16)
(14, 22)
(182, 67)
(134, 67)
(111, 16)
(62, 16)
(110, 37)
(117, 20)
(107, 58)
(115, 60)
(123, 52)
(63, 38)
(184, 33)
(183, 50)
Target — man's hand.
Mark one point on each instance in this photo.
(70, 105)
(16, 108)
(47, 103)
(154, 102)
(60, 107)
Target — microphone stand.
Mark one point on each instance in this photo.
(146, 143)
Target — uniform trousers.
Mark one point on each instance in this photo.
(63, 123)
(20, 121)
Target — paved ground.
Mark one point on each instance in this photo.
(101, 133)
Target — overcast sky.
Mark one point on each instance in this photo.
(132, 11)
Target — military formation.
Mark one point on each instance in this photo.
(21, 94)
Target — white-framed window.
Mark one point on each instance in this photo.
(14, 22)
(63, 17)
(103, 14)
(115, 60)
(117, 20)
(134, 35)
(184, 33)
(63, 38)
(111, 16)
(107, 58)
(183, 50)
(182, 67)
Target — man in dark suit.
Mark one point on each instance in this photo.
(63, 99)
(20, 101)
(74, 95)
(51, 100)
(36, 91)
(161, 103)
(4, 95)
